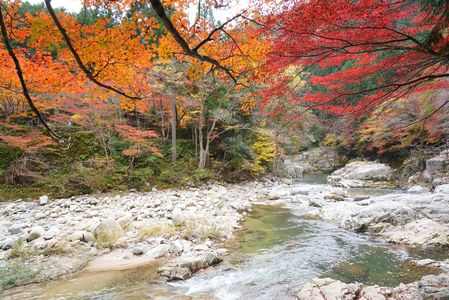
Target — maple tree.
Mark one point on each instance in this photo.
(357, 55)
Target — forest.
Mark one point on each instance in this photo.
(152, 96)
(125, 94)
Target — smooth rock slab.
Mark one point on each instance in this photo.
(177, 270)
(424, 232)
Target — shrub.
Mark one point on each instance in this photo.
(20, 250)
(331, 140)
(162, 229)
(202, 229)
(202, 174)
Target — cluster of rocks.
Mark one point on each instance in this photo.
(435, 172)
(417, 217)
(322, 159)
(168, 223)
(429, 287)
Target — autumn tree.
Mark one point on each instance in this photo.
(376, 52)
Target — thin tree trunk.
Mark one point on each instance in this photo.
(202, 153)
(173, 129)
(162, 121)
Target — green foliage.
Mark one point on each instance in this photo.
(14, 272)
(7, 155)
(202, 174)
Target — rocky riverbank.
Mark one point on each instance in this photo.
(182, 230)
(47, 238)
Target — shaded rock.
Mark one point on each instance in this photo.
(184, 267)
(35, 232)
(137, 251)
(7, 244)
(438, 164)
(434, 287)
(200, 262)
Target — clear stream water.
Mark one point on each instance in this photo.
(274, 255)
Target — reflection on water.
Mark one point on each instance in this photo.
(276, 253)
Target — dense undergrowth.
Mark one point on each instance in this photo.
(82, 168)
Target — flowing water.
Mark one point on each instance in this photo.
(274, 255)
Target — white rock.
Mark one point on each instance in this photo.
(443, 189)
(423, 232)
(52, 232)
(417, 189)
(43, 200)
(356, 173)
(39, 216)
(159, 251)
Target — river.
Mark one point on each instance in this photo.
(275, 253)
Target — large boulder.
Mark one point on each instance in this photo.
(362, 174)
(108, 233)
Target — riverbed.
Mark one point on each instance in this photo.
(275, 253)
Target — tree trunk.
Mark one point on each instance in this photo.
(202, 150)
(164, 139)
(173, 129)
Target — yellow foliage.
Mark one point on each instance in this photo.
(265, 150)
(330, 140)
